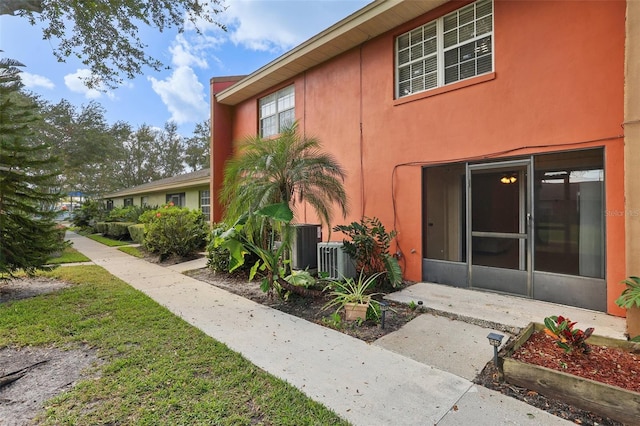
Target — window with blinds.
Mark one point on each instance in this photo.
(205, 204)
(452, 48)
(277, 111)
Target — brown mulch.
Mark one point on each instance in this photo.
(603, 364)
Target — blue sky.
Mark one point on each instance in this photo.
(258, 32)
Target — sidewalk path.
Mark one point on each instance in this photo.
(364, 384)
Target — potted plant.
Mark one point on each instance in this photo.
(353, 296)
(630, 300)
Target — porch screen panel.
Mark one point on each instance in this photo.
(444, 213)
(569, 227)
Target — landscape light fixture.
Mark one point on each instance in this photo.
(384, 306)
(495, 340)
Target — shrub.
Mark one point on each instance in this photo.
(137, 232)
(119, 230)
(218, 256)
(174, 230)
(88, 214)
(368, 246)
(101, 227)
(128, 213)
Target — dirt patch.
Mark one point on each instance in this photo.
(309, 308)
(23, 288)
(39, 373)
(54, 371)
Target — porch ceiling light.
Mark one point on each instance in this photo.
(508, 179)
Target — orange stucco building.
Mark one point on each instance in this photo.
(491, 135)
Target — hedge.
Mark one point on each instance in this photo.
(137, 233)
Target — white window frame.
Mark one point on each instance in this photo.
(178, 199)
(279, 108)
(440, 50)
(205, 207)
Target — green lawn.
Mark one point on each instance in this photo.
(108, 241)
(69, 255)
(133, 251)
(158, 369)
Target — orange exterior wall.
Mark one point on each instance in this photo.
(221, 142)
(558, 85)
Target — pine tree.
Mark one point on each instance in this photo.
(28, 233)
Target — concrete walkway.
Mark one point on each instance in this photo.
(419, 375)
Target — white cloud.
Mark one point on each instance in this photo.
(282, 24)
(34, 80)
(185, 54)
(76, 83)
(183, 95)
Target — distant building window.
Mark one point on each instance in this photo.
(176, 199)
(277, 111)
(144, 201)
(109, 204)
(205, 204)
(454, 47)
(128, 202)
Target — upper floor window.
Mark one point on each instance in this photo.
(454, 47)
(277, 111)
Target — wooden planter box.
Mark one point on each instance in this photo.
(606, 400)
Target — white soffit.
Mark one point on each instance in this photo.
(367, 23)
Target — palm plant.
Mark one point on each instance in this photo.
(288, 169)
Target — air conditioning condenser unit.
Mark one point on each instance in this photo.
(333, 260)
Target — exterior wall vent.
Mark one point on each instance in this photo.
(332, 259)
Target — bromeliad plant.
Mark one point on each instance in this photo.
(567, 337)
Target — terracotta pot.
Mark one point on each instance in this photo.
(633, 322)
(353, 311)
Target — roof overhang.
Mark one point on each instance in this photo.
(162, 186)
(371, 21)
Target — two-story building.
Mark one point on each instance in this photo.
(500, 138)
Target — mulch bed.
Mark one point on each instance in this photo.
(603, 364)
(308, 308)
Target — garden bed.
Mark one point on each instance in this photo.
(535, 362)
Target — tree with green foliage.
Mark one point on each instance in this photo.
(28, 233)
(271, 175)
(287, 169)
(139, 162)
(198, 147)
(105, 34)
(171, 150)
(85, 142)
